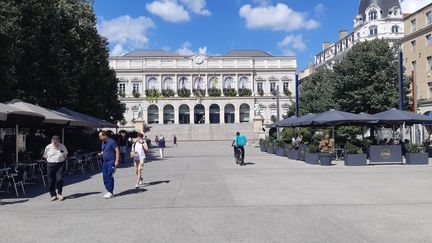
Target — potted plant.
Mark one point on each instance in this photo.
(326, 151)
(263, 147)
(214, 92)
(122, 94)
(168, 93)
(291, 152)
(230, 92)
(243, 92)
(270, 146)
(136, 94)
(184, 92)
(312, 154)
(261, 92)
(280, 147)
(415, 156)
(273, 92)
(354, 155)
(287, 92)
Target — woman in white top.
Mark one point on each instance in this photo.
(55, 154)
(140, 149)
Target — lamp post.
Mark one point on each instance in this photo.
(277, 109)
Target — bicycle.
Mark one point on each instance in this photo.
(238, 156)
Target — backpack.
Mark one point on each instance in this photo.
(241, 141)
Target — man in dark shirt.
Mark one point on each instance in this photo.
(122, 141)
(111, 156)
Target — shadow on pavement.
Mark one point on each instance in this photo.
(14, 202)
(79, 195)
(153, 183)
(130, 191)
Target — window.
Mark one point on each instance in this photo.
(373, 15)
(135, 87)
(430, 90)
(373, 30)
(429, 17)
(429, 63)
(244, 113)
(413, 25)
(285, 85)
(122, 88)
(395, 29)
(414, 66)
(153, 84)
(413, 45)
(272, 86)
(259, 86)
(429, 40)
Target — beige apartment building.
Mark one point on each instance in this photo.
(417, 49)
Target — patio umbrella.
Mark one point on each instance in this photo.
(397, 117)
(304, 121)
(94, 122)
(288, 122)
(337, 118)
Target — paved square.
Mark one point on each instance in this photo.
(198, 194)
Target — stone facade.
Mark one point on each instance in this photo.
(231, 88)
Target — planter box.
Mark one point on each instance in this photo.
(263, 148)
(325, 159)
(385, 154)
(302, 151)
(280, 151)
(355, 159)
(417, 158)
(270, 150)
(293, 154)
(312, 158)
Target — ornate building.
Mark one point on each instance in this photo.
(375, 19)
(162, 87)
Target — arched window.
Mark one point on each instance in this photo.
(395, 29)
(184, 114)
(214, 114)
(244, 83)
(153, 114)
(168, 84)
(199, 83)
(199, 114)
(229, 83)
(373, 30)
(229, 113)
(213, 82)
(244, 113)
(168, 114)
(183, 83)
(373, 15)
(153, 84)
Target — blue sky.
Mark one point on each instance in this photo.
(290, 27)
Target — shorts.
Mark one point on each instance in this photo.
(139, 162)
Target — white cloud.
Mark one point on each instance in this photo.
(197, 6)
(292, 43)
(319, 9)
(279, 17)
(410, 6)
(126, 32)
(168, 10)
(263, 2)
(186, 49)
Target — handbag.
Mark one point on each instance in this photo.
(132, 153)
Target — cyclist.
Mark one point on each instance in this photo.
(238, 143)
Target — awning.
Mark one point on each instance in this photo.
(94, 122)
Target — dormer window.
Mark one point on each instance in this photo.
(373, 30)
(395, 29)
(373, 15)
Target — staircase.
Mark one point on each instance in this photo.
(201, 132)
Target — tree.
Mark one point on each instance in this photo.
(316, 92)
(53, 56)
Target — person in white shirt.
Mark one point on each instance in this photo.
(139, 149)
(55, 154)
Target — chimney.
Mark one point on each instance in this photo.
(326, 45)
(343, 34)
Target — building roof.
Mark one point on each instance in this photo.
(247, 53)
(384, 5)
(151, 53)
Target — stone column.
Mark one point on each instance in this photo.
(191, 83)
(192, 115)
(161, 115)
(175, 88)
(206, 84)
(237, 115)
(222, 85)
(176, 115)
(222, 114)
(237, 82)
(144, 85)
(207, 114)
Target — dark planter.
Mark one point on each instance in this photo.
(355, 159)
(263, 148)
(302, 151)
(326, 159)
(293, 154)
(280, 151)
(270, 150)
(417, 158)
(312, 158)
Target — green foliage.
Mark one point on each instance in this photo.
(261, 92)
(184, 92)
(245, 92)
(350, 148)
(412, 148)
(199, 92)
(267, 142)
(313, 148)
(214, 92)
(317, 92)
(168, 93)
(280, 143)
(230, 92)
(122, 94)
(287, 92)
(136, 94)
(347, 133)
(51, 54)
(153, 94)
(274, 92)
(123, 122)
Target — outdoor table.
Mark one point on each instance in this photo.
(385, 154)
(32, 166)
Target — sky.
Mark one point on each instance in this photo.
(214, 27)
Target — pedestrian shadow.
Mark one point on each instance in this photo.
(153, 183)
(14, 202)
(249, 163)
(79, 195)
(130, 191)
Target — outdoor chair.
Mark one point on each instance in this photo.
(13, 179)
(76, 164)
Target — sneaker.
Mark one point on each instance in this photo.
(137, 186)
(108, 195)
(53, 198)
(60, 197)
(140, 182)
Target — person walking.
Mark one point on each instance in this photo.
(157, 141)
(55, 154)
(139, 149)
(175, 140)
(122, 142)
(161, 146)
(110, 156)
